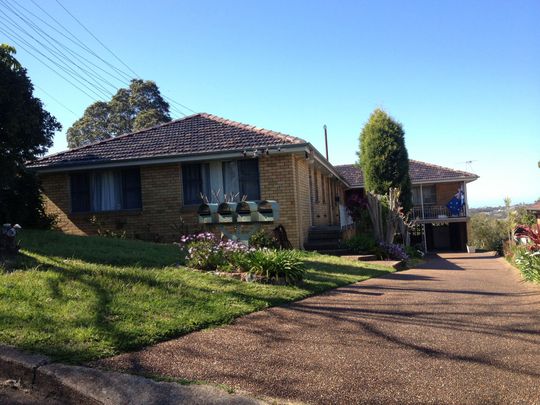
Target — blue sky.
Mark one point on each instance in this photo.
(463, 77)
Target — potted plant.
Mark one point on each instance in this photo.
(471, 246)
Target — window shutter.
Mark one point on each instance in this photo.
(80, 192)
(248, 179)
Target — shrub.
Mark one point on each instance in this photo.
(277, 265)
(413, 252)
(261, 239)
(361, 243)
(487, 232)
(201, 250)
(392, 251)
(528, 263)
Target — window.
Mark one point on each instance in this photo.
(430, 197)
(248, 178)
(428, 192)
(196, 181)
(241, 178)
(235, 178)
(106, 190)
(80, 192)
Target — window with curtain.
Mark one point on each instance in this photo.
(196, 181)
(428, 192)
(241, 177)
(106, 190)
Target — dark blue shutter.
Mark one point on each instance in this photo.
(192, 183)
(131, 189)
(80, 192)
(248, 179)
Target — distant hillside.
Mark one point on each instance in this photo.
(497, 212)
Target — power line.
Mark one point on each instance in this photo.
(47, 65)
(77, 41)
(55, 99)
(67, 69)
(115, 56)
(98, 78)
(173, 104)
(97, 39)
(63, 60)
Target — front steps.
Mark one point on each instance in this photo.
(325, 240)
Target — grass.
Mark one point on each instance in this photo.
(82, 298)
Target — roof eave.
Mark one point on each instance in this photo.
(466, 179)
(155, 160)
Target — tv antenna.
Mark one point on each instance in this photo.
(468, 164)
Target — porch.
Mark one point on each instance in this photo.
(440, 212)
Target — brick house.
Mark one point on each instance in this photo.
(433, 187)
(148, 184)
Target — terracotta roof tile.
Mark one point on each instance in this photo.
(420, 172)
(199, 133)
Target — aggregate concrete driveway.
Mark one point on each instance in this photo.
(462, 329)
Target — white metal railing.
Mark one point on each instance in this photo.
(435, 212)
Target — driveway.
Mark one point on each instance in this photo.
(461, 329)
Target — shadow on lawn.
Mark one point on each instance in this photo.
(100, 249)
(117, 322)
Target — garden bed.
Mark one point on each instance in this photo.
(83, 298)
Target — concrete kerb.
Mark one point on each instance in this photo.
(76, 384)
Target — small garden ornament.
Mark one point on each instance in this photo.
(8, 243)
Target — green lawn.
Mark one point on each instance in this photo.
(82, 298)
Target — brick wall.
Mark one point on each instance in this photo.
(445, 192)
(278, 181)
(159, 219)
(284, 178)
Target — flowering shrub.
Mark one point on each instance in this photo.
(202, 250)
(532, 235)
(528, 262)
(205, 251)
(393, 251)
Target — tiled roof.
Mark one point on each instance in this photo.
(352, 175)
(420, 172)
(534, 207)
(199, 133)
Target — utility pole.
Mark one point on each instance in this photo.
(326, 140)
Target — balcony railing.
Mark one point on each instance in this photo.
(435, 212)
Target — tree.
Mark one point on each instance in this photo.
(130, 109)
(384, 159)
(26, 132)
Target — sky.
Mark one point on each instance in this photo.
(463, 77)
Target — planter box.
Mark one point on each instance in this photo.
(471, 249)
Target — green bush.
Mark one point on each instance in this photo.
(361, 243)
(261, 239)
(277, 265)
(413, 252)
(528, 263)
(487, 232)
